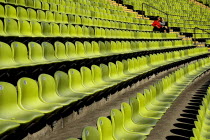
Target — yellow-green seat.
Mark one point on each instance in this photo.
(90, 133)
(75, 82)
(10, 109)
(11, 27)
(60, 51)
(129, 125)
(36, 54)
(49, 52)
(63, 86)
(6, 57)
(105, 128)
(28, 97)
(20, 53)
(118, 130)
(7, 125)
(48, 92)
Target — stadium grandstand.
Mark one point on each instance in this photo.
(104, 70)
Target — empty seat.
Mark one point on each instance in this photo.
(11, 27)
(36, 54)
(32, 102)
(6, 56)
(48, 91)
(49, 52)
(90, 133)
(10, 12)
(10, 109)
(7, 125)
(20, 53)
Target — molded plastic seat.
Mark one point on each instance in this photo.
(36, 29)
(20, 53)
(48, 92)
(87, 80)
(90, 133)
(6, 57)
(75, 82)
(11, 27)
(10, 12)
(6, 126)
(49, 52)
(28, 97)
(10, 109)
(60, 50)
(129, 125)
(62, 86)
(36, 54)
(118, 130)
(105, 128)
(139, 118)
(24, 28)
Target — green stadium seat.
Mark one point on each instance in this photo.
(41, 15)
(90, 133)
(49, 52)
(118, 130)
(2, 11)
(22, 13)
(32, 15)
(105, 128)
(129, 125)
(32, 102)
(63, 86)
(10, 108)
(75, 82)
(60, 50)
(6, 126)
(6, 56)
(36, 54)
(137, 117)
(36, 29)
(10, 12)
(21, 2)
(24, 28)
(11, 27)
(20, 53)
(48, 92)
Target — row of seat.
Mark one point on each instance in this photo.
(136, 119)
(11, 27)
(40, 4)
(51, 93)
(34, 53)
(48, 16)
(201, 130)
(12, 12)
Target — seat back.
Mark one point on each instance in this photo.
(20, 53)
(6, 56)
(28, 95)
(8, 99)
(71, 50)
(104, 128)
(75, 80)
(60, 50)
(49, 52)
(86, 77)
(35, 52)
(47, 88)
(90, 133)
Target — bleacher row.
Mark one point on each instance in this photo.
(49, 94)
(202, 124)
(18, 55)
(39, 32)
(136, 119)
